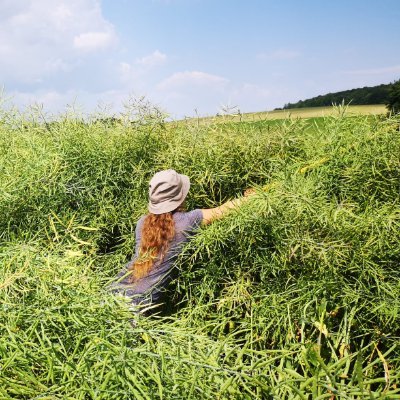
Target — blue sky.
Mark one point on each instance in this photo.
(191, 56)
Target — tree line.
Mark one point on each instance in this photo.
(388, 94)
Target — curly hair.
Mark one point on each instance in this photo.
(157, 232)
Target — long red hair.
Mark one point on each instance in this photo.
(157, 232)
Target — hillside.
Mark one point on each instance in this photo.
(360, 96)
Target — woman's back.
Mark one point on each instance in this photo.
(149, 288)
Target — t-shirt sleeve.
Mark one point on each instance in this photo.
(193, 219)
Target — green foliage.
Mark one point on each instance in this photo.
(361, 96)
(393, 102)
(294, 295)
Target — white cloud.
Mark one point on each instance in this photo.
(129, 74)
(280, 54)
(138, 71)
(39, 38)
(52, 52)
(185, 93)
(93, 40)
(152, 60)
(125, 69)
(186, 79)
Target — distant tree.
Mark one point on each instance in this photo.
(366, 95)
(393, 104)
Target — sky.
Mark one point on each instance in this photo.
(192, 57)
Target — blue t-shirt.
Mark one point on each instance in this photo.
(149, 289)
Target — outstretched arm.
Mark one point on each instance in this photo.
(212, 214)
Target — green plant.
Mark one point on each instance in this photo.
(294, 295)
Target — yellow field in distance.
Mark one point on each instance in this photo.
(311, 112)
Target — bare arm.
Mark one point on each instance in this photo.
(212, 214)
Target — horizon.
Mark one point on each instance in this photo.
(193, 56)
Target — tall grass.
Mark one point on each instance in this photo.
(294, 295)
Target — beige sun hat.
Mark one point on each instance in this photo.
(167, 191)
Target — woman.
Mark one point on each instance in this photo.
(160, 236)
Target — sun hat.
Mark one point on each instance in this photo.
(167, 191)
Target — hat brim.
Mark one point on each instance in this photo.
(171, 205)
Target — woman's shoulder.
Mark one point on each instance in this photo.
(139, 223)
(189, 218)
(141, 219)
(184, 219)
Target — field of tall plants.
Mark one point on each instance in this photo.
(295, 295)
